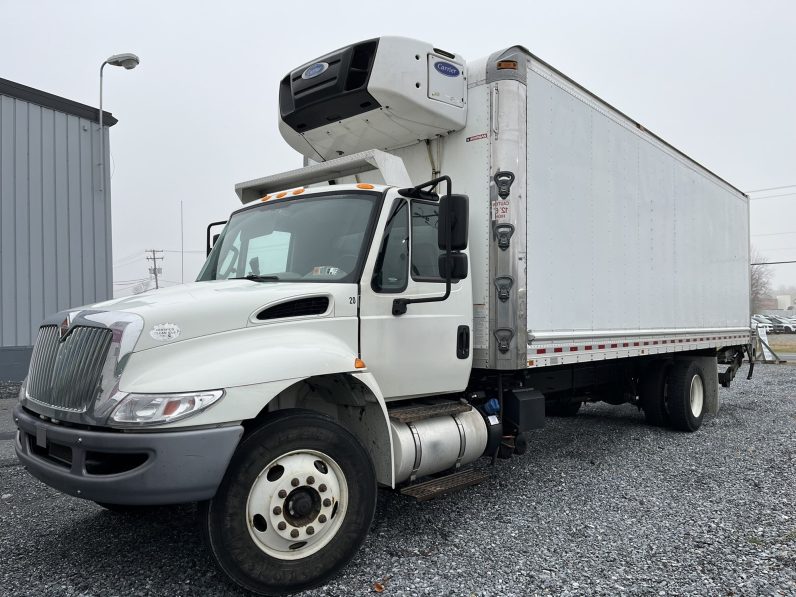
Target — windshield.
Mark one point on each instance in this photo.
(318, 238)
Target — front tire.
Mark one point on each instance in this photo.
(686, 395)
(294, 506)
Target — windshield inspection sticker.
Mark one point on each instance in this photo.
(165, 331)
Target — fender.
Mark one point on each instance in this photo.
(243, 357)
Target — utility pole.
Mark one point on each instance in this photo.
(155, 270)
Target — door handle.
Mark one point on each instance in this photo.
(463, 342)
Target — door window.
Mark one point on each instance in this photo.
(391, 271)
(425, 251)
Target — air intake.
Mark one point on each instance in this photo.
(316, 305)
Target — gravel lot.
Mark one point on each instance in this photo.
(600, 505)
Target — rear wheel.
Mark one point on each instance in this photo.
(686, 395)
(653, 393)
(294, 505)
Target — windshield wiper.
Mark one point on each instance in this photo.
(258, 278)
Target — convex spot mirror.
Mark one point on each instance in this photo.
(453, 214)
(458, 266)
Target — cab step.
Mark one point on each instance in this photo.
(410, 414)
(440, 486)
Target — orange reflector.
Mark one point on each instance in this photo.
(280, 195)
(298, 191)
(359, 364)
(507, 65)
(266, 198)
(364, 185)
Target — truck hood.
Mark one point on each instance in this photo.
(199, 309)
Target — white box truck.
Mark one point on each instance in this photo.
(468, 246)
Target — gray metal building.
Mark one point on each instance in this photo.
(55, 216)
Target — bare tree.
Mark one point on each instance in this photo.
(761, 280)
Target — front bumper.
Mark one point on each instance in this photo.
(126, 468)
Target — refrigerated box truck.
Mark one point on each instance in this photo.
(468, 247)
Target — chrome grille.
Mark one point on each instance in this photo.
(66, 374)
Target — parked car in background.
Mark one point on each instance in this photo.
(776, 327)
(768, 327)
(788, 326)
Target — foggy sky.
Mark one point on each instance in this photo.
(717, 79)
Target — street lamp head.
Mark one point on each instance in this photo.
(128, 61)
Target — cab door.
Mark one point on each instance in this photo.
(426, 350)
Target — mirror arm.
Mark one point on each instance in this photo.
(399, 305)
(209, 246)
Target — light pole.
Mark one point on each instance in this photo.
(128, 61)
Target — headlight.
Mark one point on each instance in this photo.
(150, 409)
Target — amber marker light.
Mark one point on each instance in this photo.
(298, 191)
(364, 185)
(507, 65)
(359, 364)
(280, 195)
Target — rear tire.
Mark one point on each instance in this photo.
(653, 393)
(295, 505)
(686, 395)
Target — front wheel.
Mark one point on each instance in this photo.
(294, 506)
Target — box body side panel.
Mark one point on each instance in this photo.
(624, 234)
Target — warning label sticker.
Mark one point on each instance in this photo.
(501, 210)
(476, 137)
(480, 326)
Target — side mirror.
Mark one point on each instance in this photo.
(215, 240)
(457, 266)
(453, 216)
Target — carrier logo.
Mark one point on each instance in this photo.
(314, 70)
(444, 68)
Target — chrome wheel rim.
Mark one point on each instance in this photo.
(697, 396)
(297, 504)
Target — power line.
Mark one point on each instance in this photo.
(776, 233)
(772, 196)
(773, 262)
(787, 186)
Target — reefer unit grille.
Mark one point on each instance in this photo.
(66, 374)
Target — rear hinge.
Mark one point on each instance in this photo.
(503, 285)
(503, 180)
(503, 233)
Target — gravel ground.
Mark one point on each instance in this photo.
(601, 505)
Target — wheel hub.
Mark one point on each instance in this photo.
(297, 504)
(697, 396)
(302, 506)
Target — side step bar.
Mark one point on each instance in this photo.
(410, 414)
(440, 486)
